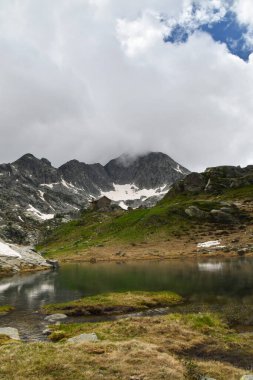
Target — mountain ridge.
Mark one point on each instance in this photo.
(32, 190)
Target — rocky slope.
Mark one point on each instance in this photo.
(15, 258)
(214, 180)
(33, 191)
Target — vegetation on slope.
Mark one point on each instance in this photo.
(166, 220)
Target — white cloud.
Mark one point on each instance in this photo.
(92, 79)
(244, 11)
(141, 34)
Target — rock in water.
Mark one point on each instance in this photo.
(84, 338)
(11, 332)
(55, 317)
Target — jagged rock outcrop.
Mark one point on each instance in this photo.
(214, 180)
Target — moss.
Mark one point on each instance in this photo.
(4, 339)
(57, 335)
(6, 309)
(203, 321)
(115, 303)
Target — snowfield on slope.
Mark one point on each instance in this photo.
(39, 214)
(132, 192)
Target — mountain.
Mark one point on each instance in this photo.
(32, 190)
(150, 171)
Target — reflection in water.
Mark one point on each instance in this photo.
(205, 281)
(210, 267)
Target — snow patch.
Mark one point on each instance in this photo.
(65, 184)
(6, 250)
(178, 169)
(131, 192)
(208, 244)
(123, 205)
(39, 214)
(41, 195)
(50, 185)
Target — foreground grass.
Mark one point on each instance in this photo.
(6, 309)
(178, 347)
(115, 303)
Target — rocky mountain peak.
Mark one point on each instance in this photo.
(32, 189)
(148, 171)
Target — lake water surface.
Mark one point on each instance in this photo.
(209, 282)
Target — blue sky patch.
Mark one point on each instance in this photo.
(227, 30)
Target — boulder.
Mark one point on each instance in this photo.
(84, 338)
(194, 183)
(242, 251)
(54, 263)
(247, 377)
(195, 212)
(222, 217)
(11, 332)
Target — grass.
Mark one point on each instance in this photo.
(178, 347)
(6, 309)
(115, 303)
(132, 328)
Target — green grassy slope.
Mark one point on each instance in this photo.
(167, 219)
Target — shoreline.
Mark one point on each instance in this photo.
(237, 244)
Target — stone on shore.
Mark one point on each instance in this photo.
(84, 338)
(15, 258)
(55, 317)
(11, 332)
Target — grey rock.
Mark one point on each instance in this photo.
(83, 338)
(222, 217)
(55, 317)
(247, 377)
(54, 263)
(215, 180)
(242, 251)
(11, 332)
(27, 259)
(195, 212)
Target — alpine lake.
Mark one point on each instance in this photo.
(215, 285)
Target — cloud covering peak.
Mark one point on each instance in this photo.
(92, 79)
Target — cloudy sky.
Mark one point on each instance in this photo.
(91, 79)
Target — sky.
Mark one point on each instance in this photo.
(92, 79)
